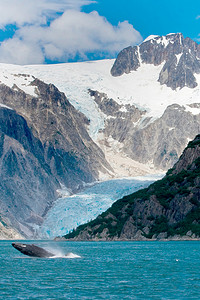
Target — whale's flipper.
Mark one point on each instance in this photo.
(32, 250)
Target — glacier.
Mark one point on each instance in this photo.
(69, 212)
(74, 79)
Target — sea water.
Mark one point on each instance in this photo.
(103, 270)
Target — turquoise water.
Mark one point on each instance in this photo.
(105, 270)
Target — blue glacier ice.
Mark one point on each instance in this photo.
(71, 211)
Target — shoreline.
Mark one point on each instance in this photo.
(173, 239)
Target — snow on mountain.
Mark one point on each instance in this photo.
(5, 106)
(140, 87)
(10, 75)
(150, 37)
(69, 212)
(146, 130)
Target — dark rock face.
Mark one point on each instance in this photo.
(164, 139)
(181, 56)
(62, 131)
(27, 185)
(160, 142)
(169, 207)
(127, 60)
(43, 143)
(112, 109)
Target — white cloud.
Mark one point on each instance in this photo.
(68, 35)
(20, 52)
(22, 12)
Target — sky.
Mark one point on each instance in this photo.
(56, 31)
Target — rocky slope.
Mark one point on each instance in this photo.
(145, 110)
(44, 145)
(7, 232)
(159, 142)
(141, 117)
(181, 58)
(168, 208)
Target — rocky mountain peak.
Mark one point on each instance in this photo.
(180, 58)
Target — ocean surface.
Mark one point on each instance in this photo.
(103, 270)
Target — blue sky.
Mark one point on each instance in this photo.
(153, 17)
(51, 31)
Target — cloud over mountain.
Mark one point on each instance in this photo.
(21, 12)
(48, 30)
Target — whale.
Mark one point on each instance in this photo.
(32, 250)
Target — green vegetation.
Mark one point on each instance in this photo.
(190, 223)
(181, 187)
(195, 142)
(160, 225)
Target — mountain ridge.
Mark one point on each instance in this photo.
(44, 145)
(181, 58)
(84, 124)
(168, 208)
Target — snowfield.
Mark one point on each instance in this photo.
(140, 88)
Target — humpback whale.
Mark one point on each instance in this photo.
(32, 250)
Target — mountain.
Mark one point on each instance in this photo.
(168, 208)
(180, 58)
(44, 145)
(143, 107)
(66, 125)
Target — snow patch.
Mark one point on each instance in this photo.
(11, 76)
(139, 55)
(192, 110)
(123, 109)
(150, 37)
(5, 106)
(189, 140)
(165, 41)
(178, 56)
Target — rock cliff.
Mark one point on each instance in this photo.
(155, 141)
(43, 144)
(159, 142)
(7, 232)
(180, 56)
(169, 208)
(141, 117)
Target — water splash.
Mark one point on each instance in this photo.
(58, 253)
(72, 255)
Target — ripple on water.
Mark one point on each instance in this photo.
(120, 270)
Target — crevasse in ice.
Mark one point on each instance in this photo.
(71, 211)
